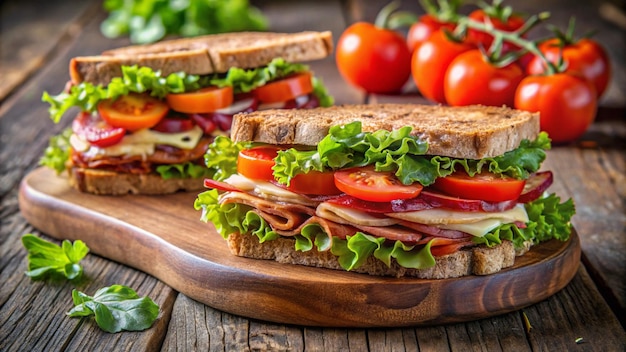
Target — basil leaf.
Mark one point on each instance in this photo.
(46, 259)
(116, 308)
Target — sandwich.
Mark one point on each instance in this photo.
(147, 113)
(399, 190)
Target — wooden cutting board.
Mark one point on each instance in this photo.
(163, 236)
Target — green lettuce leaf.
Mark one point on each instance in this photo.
(137, 79)
(397, 151)
(185, 170)
(57, 153)
(221, 157)
(548, 219)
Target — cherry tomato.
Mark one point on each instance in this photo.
(484, 186)
(499, 21)
(430, 63)
(133, 111)
(367, 184)
(375, 59)
(203, 100)
(567, 104)
(421, 30)
(471, 79)
(584, 56)
(314, 183)
(256, 163)
(95, 131)
(285, 89)
(174, 124)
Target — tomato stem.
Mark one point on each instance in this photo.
(514, 37)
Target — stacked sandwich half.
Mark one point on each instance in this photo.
(394, 190)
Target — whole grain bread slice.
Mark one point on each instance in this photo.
(478, 260)
(205, 54)
(472, 132)
(104, 182)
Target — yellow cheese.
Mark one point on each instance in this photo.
(478, 229)
(142, 142)
(345, 215)
(441, 216)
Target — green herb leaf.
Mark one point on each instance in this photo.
(46, 259)
(147, 21)
(58, 151)
(116, 308)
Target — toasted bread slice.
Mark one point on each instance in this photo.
(106, 182)
(205, 54)
(478, 260)
(472, 132)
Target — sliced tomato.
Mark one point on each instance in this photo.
(96, 131)
(314, 182)
(204, 100)
(174, 124)
(285, 89)
(133, 111)
(445, 249)
(484, 186)
(256, 163)
(367, 184)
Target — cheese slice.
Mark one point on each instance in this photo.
(142, 142)
(345, 215)
(267, 190)
(440, 216)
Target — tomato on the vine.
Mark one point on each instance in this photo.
(367, 184)
(484, 186)
(372, 58)
(421, 30)
(472, 79)
(566, 102)
(500, 17)
(584, 56)
(133, 111)
(430, 62)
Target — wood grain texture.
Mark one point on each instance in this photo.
(191, 257)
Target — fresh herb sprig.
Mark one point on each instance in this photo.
(116, 308)
(47, 259)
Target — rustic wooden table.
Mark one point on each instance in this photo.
(38, 38)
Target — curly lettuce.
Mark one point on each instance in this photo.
(86, 96)
(400, 152)
(57, 153)
(184, 170)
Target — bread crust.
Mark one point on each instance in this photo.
(104, 182)
(204, 55)
(472, 132)
(478, 260)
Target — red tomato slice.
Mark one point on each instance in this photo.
(314, 182)
(133, 111)
(203, 100)
(367, 184)
(174, 124)
(256, 163)
(285, 89)
(483, 186)
(95, 131)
